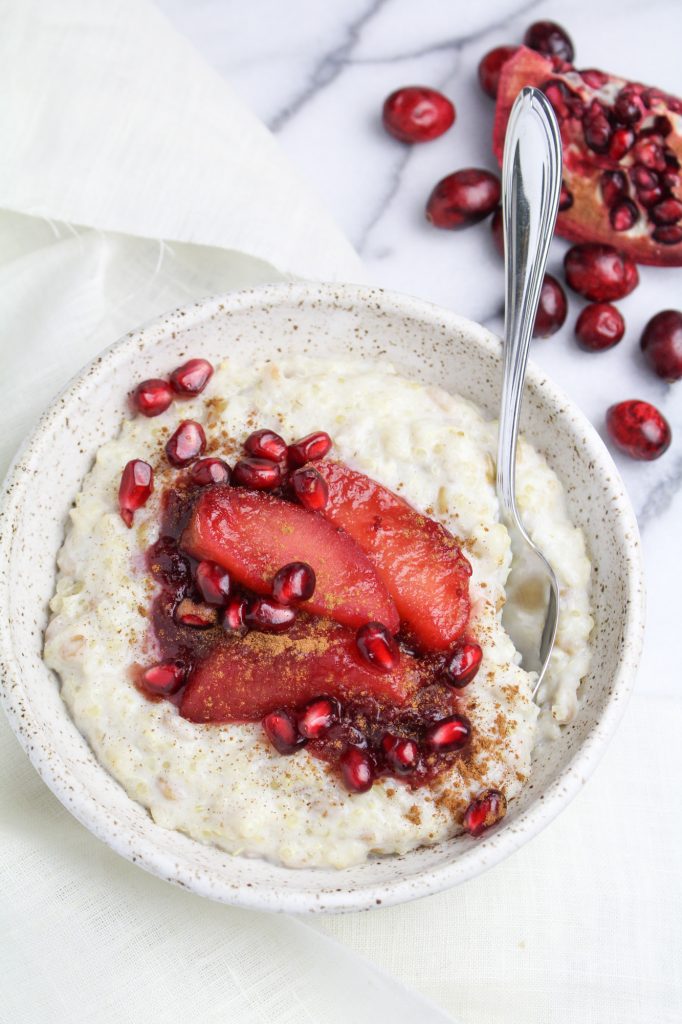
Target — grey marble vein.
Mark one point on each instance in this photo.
(662, 495)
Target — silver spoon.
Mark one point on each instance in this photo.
(531, 183)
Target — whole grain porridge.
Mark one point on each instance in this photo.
(254, 787)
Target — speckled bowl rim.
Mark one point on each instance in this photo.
(486, 852)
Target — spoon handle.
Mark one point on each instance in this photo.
(531, 184)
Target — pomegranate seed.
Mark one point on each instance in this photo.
(192, 377)
(317, 716)
(623, 215)
(463, 663)
(638, 429)
(596, 128)
(552, 308)
(152, 397)
(490, 68)
(137, 483)
(628, 108)
(357, 770)
(269, 616)
(599, 326)
(257, 474)
(167, 564)
(400, 755)
(671, 180)
(648, 197)
(485, 811)
(417, 114)
(668, 236)
(214, 582)
(565, 102)
(293, 582)
(662, 126)
(463, 198)
(186, 444)
(209, 471)
(642, 177)
(449, 734)
(667, 212)
(378, 647)
(280, 729)
(565, 198)
(549, 38)
(266, 444)
(309, 449)
(613, 185)
(594, 78)
(497, 228)
(234, 614)
(164, 679)
(661, 343)
(310, 488)
(599, 272)
(650, 154)
(622, 140)
(193, 613)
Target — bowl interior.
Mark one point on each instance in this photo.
(424, 342)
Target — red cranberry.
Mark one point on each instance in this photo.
(234, 614)
(309, 449)
(266, 444)
(401, 755)
(213, 582)
(294, 582)
(357, 770)
(310, 488)
(209, 471)
(549, 38)
(152, 397)
(280, 729)
(137, 483)
(196, 614)
(192, 377)
(417, 114)
(378, 647)
(269, 616)
(599, 272)
(485, 811)
(552, 308)
(164, 679)
(463, 198)
(661, 343)
(186, 444)
(565, 198)
(638, 429)
(599, 326)
(317, 716)
(449, 734)
(463, 663)
(257, 474)
(497, 228)
(490, 68)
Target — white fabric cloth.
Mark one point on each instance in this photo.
(131, 181)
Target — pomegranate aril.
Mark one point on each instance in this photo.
(565, 198)
(280, 729)
(597, 129)
(401, 755)
(671, 180)
(191, 378)
(449, 734)
(234, 614)
(152, 397)
(638, 429)
(416, 113)
(209, 471)
(310, 448)
(317, 717)
(551, 39)
(378, 647)
(463, 663)
(257, 474)
(552, 308)
(266, 444)
(486, 810)
(566, 103)
(463, 198)
(310, 488)
(650, 154)
(490, 68)
(213, 582)
(137, 483)
(357, 770)
(667, 212)
(164, 679)
(661, 343)
(668, 236)
(294, 582)
(269, 616)
(593, 77)
(623, 215)
(196, 614)
(643, 177)
(186, 444)
(599, 272)
(628, 107)
(622, 140)
(599, 326)
(613, 186)
(648, 197)
(167, 564)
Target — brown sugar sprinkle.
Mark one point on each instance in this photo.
(413, 815)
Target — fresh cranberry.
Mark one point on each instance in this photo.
(317, 717)
(463, 198)
(269, 616)
(294, 582)
(186, 444)
(497, 228)
(310, 488)
(357, 770)
(490, 68)
(191, 378)
(417, 114)
(450, 733)
(638, 429)
(599, 272)
(310, 448)
(209, 471)
(599, 326)
(164, 679)
(266, 444)
(378, 647)
(234, 614)
(152, 397)
(485, 811)
(549, 38)
(213, 582)
(661, 343)
(401, 755)
(552, 308)
(280, 729)
(463, 663)
(137, 483)
(257, 474)
(196, 614)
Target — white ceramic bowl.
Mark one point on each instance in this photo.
(427, 343)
